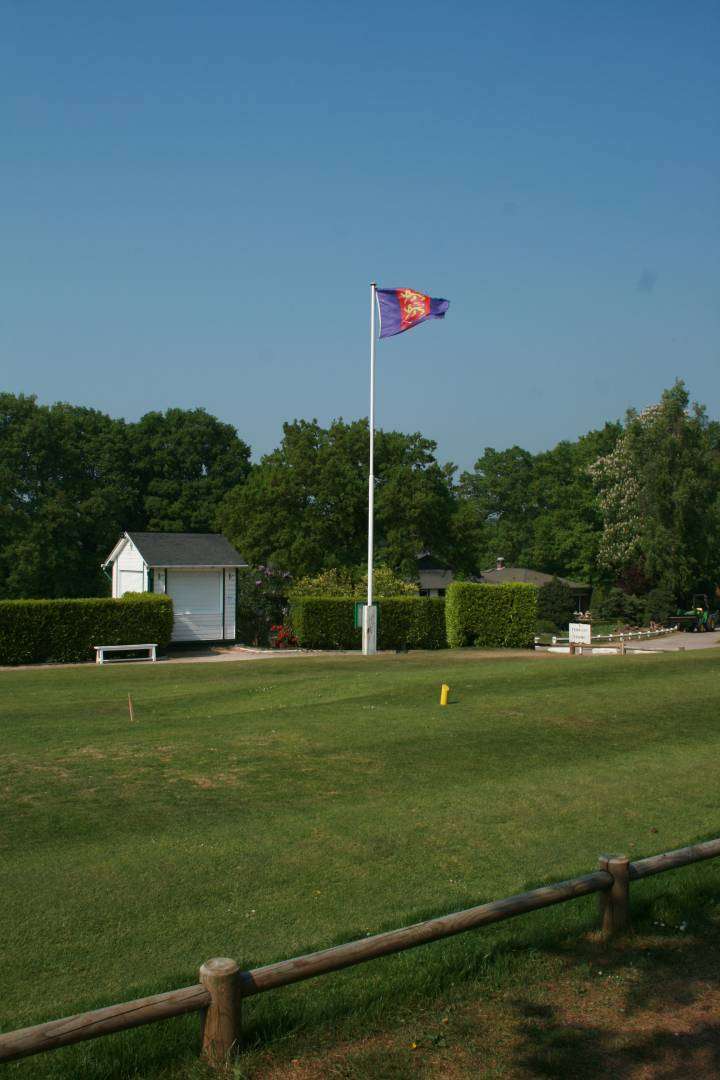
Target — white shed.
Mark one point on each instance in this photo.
(198, 570)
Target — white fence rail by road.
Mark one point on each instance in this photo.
(222, 986)
(629, 635)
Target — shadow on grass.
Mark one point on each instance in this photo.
(553, 1049)
(653, 1005)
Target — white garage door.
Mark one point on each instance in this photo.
(197, 604)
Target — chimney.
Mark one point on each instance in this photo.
(500, 563)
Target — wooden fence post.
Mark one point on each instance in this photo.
(615, 901)
(222, 1018)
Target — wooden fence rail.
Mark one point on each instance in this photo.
(90, 1025)
(356, 952)
(657, 864)
(222, 985)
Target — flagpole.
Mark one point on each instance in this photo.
(369, 626)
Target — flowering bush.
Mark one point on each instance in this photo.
(261, 603)
(282, 637)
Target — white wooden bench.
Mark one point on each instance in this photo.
(100, 651)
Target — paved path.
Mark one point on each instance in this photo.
(218, 654)
(243, 652)
(675, 642)
(239, 653)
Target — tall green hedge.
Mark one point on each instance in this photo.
(38, 631)
(323, 622)
(417, 622)
(500, 616)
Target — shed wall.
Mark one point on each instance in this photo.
(130, 573)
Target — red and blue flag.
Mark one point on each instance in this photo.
(401, 309)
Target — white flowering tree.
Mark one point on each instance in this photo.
(658, 496)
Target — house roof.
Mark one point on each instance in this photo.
(186, 549)
(435, 579)
(505, 574)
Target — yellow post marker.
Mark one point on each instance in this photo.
(444, 691)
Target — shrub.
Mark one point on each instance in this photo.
(660, 604)
(499, 616)
(555, 603)
(327, 622)
(38, 631)
(338, 581)
(604, 604)
(544, 626)
(261, 602)
(608, 604)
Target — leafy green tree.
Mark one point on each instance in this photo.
(497, 507)
(66, 492)
(185, 462)
(305, 506)
(567, 526)
(555, 604)
(538, 511)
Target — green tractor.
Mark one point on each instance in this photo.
(700, 617)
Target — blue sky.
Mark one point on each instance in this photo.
(193, 206)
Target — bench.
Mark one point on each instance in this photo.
(100, 651)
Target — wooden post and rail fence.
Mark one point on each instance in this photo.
(223, 985)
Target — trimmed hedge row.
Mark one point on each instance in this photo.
(499, 616)
(417, 622)
(38, 631)
(323, 622)
(496, 616)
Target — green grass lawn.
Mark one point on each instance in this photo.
(259, 810)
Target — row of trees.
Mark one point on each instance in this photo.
(72, 479)
(633, 505)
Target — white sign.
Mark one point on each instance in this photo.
(580, 633)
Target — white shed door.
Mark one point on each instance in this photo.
(130, 581)
(197, 598)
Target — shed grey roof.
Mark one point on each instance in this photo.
(506, 574)
(186, 549)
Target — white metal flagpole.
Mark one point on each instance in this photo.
(369, 626)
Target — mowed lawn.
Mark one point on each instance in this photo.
(260, 810)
